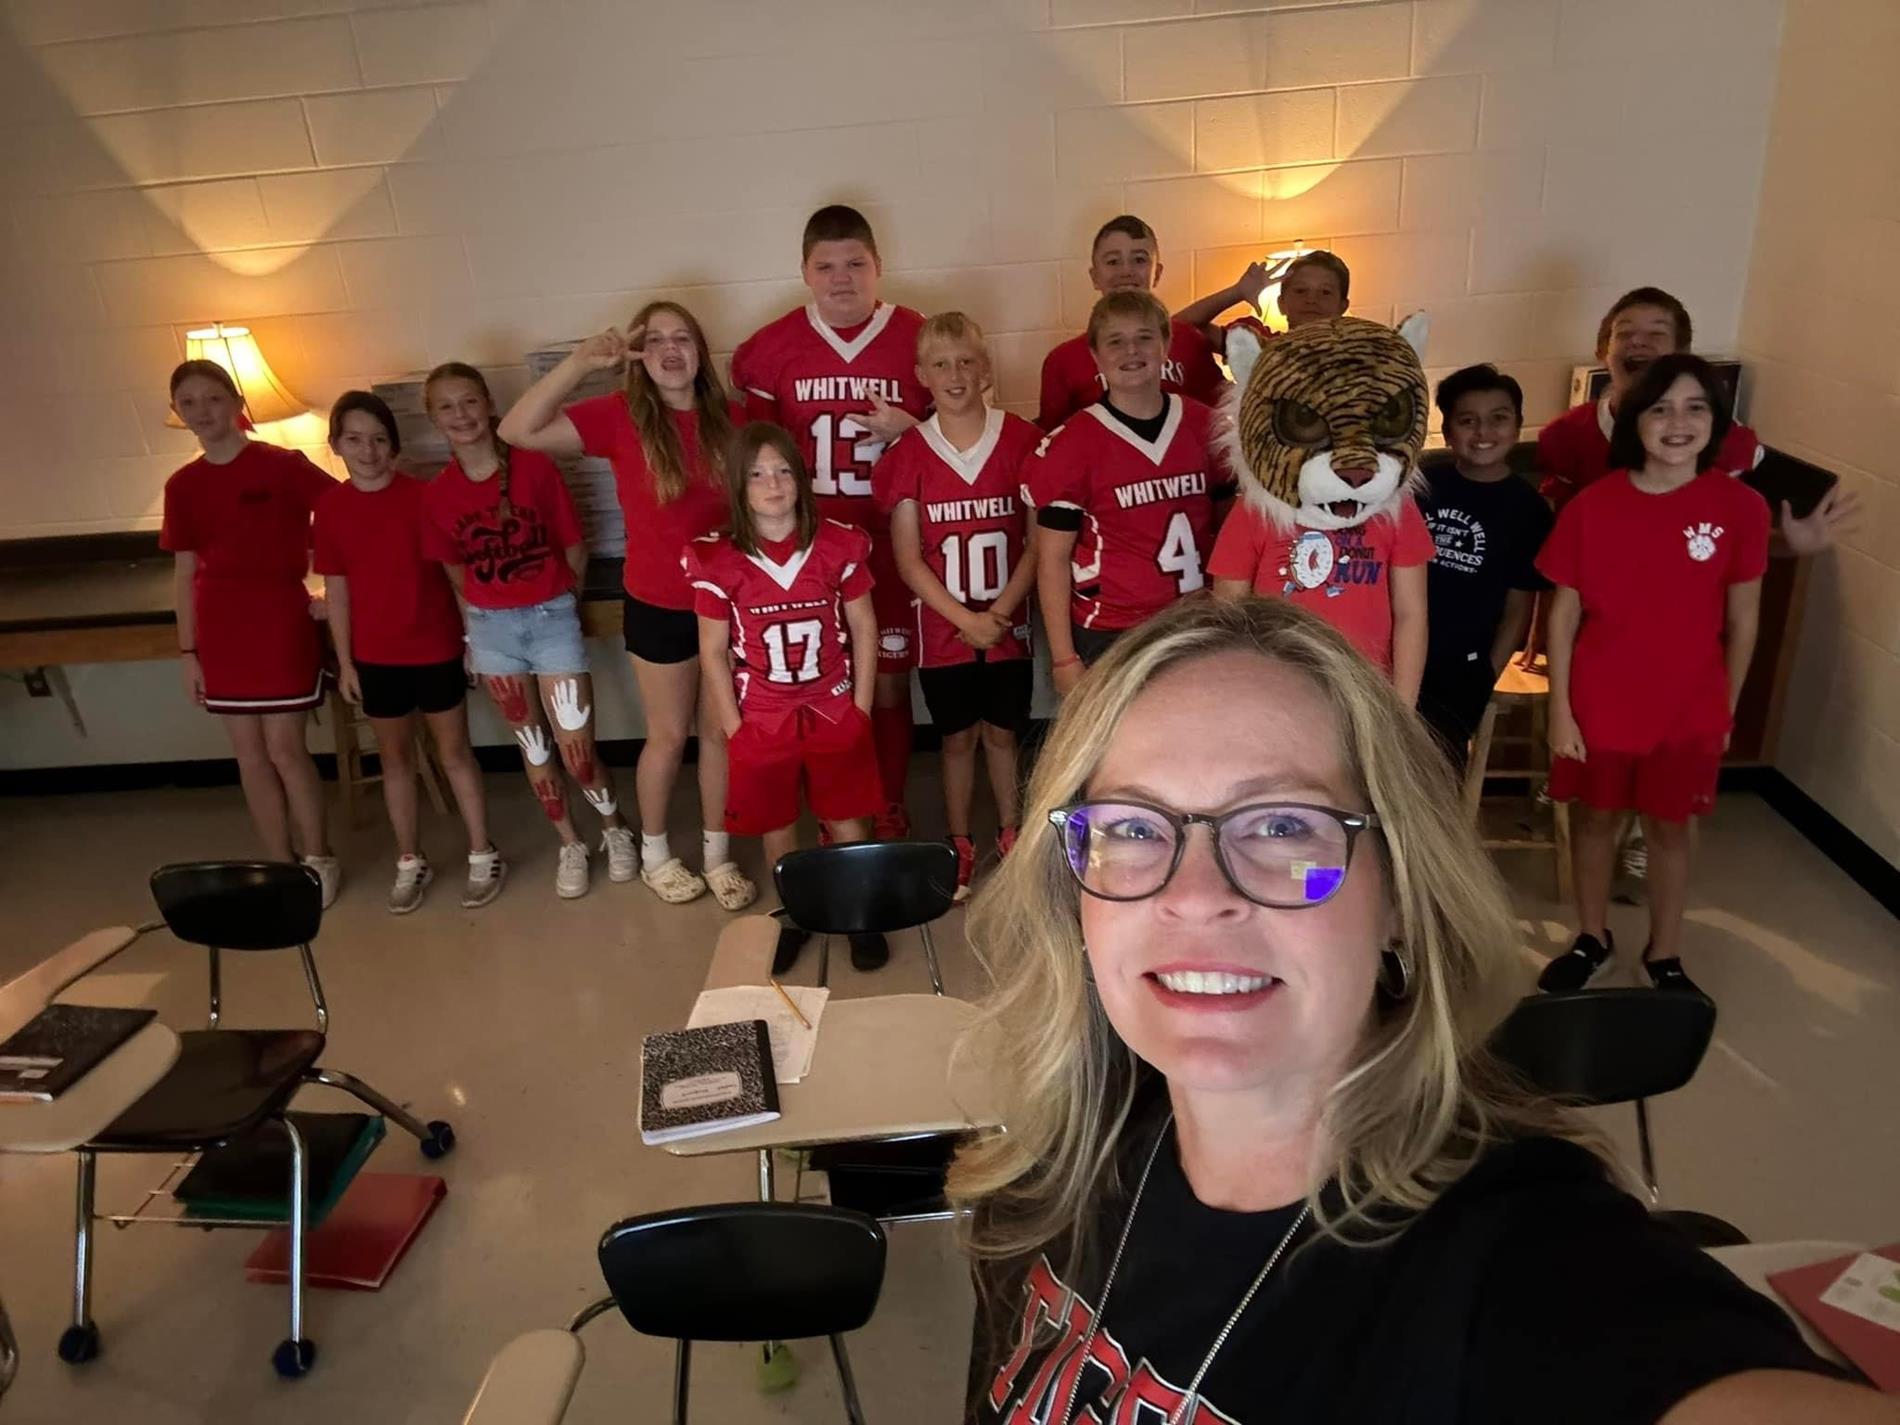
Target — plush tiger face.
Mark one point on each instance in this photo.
(1327, 421)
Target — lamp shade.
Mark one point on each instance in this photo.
(236, 350)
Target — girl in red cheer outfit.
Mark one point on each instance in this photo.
(238, 521)
(504, 524)
(665, 435)
(398, 637)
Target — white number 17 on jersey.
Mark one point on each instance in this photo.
(793, 649)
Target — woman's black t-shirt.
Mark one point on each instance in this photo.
(1533, 1289)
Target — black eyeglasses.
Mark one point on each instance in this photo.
(1287, 855)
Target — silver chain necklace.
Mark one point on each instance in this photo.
(1193, 1395)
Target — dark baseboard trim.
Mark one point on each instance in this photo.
(1866, 867)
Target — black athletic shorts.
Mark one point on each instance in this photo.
(960, 697)
(1092, 643)
(398, 689)
(659, 635)
(1452, 698)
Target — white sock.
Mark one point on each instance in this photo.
(717, 847)
(655, 851)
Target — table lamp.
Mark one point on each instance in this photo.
(236, 350)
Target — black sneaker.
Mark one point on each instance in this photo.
(870, 952)
(791, 939)
(1578, 965)
(1668, 974)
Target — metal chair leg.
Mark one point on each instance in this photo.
(1648, 1151)
(588, 1312)
(682, 1371)
(930, 959)
(82, 1240)
(824, 962)
(316, 988)
(299, 1187)
(853, 1411)
(350, 1084)
(215, 985)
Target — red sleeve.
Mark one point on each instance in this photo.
(599, 421)
(753, 382)
(1750, 559)
(1058, 476)
(709, 599)
(1238, 545)
(313, 481)
(1561, 558)
(857, 580)
(327, 538)
(179, 532)
(896, 477)
(1741, 450)
(1414, 542)
(1202, 378)
(1053, 409)
(563, 523)
(1555, 465)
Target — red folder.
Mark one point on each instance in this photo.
(361, 1240)
(1874, 1348)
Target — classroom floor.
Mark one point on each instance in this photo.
(522, 1024)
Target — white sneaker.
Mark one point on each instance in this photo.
(672, 882)
(330, 873)
(486, 872)
(413, 874)
(571, 876)
(1636, 859)
(731, 887)
(623, 853)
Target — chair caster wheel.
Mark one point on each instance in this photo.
(294, 1358)
(440, 1140)
(79, 1344)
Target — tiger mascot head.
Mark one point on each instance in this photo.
(1326, 421)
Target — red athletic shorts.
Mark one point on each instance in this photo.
(891, 600)
(835, 759)
(1672, 783)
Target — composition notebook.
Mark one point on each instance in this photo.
(59, 1046)
(707, 1080)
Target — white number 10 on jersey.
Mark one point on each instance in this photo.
(976, 568)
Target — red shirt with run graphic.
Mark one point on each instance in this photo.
(1653, 573)
(971, 525)
(656, 532)
(814, 379)
(1573, 451)
(1146, 508)
(402, 610)
(1071, 380)
(513, 562)
(784, 606)
(1343, 575)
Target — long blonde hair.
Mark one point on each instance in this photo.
(1422, 1100)
(658, 438)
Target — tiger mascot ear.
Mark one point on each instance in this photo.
(1417, 331)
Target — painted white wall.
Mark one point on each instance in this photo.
(376, 186)
(1821, 331)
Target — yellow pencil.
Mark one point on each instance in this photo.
(791, 1004)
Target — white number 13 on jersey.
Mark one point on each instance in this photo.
(1179, 555)
(793, 648)
(852, 475)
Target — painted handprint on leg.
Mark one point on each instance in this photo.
(569, 711)
(602, 800)
(535, 745)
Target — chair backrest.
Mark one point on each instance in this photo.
(1607, 1046)
(745, 1271)
(867, 885)
(240, 905)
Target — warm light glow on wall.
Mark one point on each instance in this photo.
(236, 350)
(1270, 312)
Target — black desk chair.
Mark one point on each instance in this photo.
(229, 1083)
(1597, 1047)
(744, 1271)
(865, 887)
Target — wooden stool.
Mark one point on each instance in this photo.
(1519, 688)
(347, 726)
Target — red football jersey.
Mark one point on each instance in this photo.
(1147, 509)
(970, 524)
(1573, 451)
(1071, 380)
(790, 645)
(813, 379)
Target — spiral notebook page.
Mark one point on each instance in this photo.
(792, 1043)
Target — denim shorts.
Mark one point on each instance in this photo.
(541, 638)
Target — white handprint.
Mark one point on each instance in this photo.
(569, 711)
(534, 745)
(602, 800)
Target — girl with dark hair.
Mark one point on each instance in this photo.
(398, 637)
(504, 524)
(238, 521)
(1658, 571)
(666, 434)
(788, 641)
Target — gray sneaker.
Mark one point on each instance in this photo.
(571, 872)
(486, 872)
(413, 874)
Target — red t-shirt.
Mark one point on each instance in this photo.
(402, 609)
(1071, 380)
(656, 532)
(1573, 451)
(1343, 575)
(511, 563)
(1653, 572)
(812, 379)
(791, 647)
(1146, 509)
(248, 519)
(971, 524)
